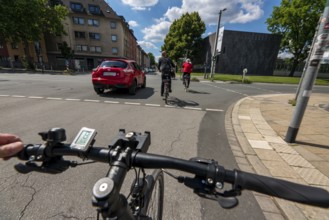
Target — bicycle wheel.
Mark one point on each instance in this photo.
(185, 83)
(166, 92)
(154, 195)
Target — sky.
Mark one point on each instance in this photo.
(150, 19)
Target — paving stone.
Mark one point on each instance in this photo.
(274, 139)
(258, 165)
(312, 176)
(267, 154)
(296, 160)
(259, 144)
(283, 148)
(266, 204)
(280, 169)
(291, 211)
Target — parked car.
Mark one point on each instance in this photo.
(117, 73)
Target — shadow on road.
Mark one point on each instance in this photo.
(196, 92)
(124, 94)
(181, 103)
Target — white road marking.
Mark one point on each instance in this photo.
(132, 103)
(53, 98)
(35, 97)
(191, 108)
(114, 102)
(72, 99)
(214, 110)
(91, 100)
(111, 102)
(154, 105)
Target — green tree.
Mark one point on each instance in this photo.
(296, 21)
(27, 20)
(152, 59)
(185, 36)
(66, 52)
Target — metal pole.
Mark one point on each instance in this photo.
(310, 75)
(214, 56)
(308, 59)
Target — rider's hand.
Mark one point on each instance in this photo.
(10, 144)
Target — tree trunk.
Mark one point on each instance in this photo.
(293, 68)
(28, 57)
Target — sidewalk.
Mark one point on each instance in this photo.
(260, 124)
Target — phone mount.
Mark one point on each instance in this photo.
(133, 140)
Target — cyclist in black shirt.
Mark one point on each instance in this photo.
(165, 66)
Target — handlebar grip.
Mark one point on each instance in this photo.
(283, 189)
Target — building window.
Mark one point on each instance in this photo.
(79, 34)
(95, 49)
(94, 9)
(14, 46)
(114, 50)
(83, 48)
(93, 22)
(1, 46)
(59, 46)
(114, 38)
(94, 36)
(76, 7)
(78, 20)
(113, 25)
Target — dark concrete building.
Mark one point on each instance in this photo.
(255, 51)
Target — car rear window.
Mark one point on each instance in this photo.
(114, 63)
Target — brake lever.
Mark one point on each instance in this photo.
(226, 200)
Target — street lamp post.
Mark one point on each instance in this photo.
(214, 56)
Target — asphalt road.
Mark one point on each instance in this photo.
(191, 125)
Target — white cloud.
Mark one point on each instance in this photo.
(133, 24)
(156, 32)
(238, 11)
(148, 45)
(140, 5)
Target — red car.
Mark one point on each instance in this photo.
(118, 73)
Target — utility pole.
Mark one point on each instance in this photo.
(214, 55)
(308, 59)
(312, 69)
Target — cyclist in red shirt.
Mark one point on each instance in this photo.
(187, 70)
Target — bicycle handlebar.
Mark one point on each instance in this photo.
(239, 179)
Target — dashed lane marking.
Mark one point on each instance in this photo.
(91, 100)
(113, 102)
(214, 110)
(35, 97)
(132, 103)
(73, 100)
(154, 105)
(192, 108)
(53, 98)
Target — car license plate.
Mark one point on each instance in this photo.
(109, 74)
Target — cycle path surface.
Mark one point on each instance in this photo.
(256, 132)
